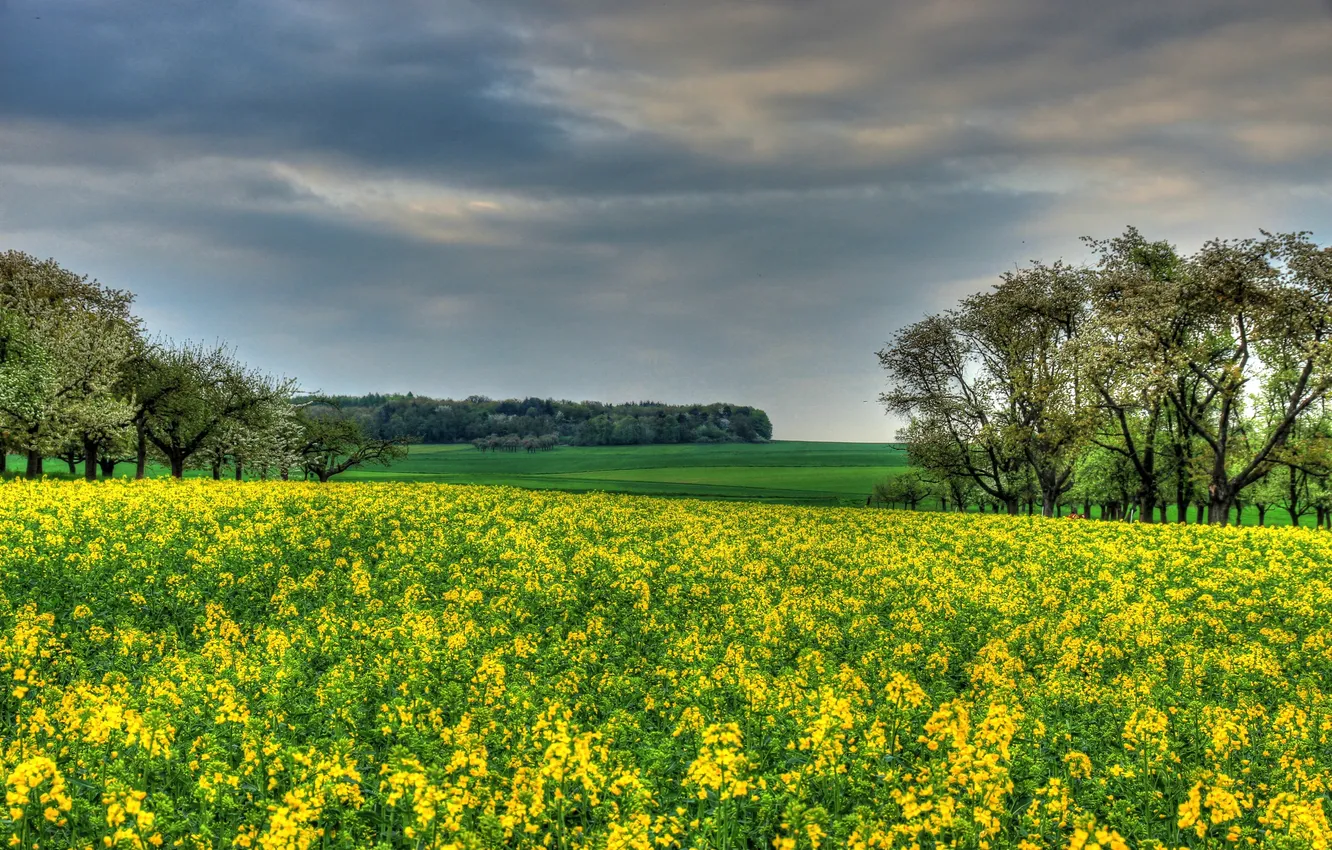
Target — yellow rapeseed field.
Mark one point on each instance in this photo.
(288, 666)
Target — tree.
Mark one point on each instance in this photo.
(197, 390)
(992, 389)
(25, 371)
(64, 339)
(1264, 493)
(595, 431)
(1023, 334)
(1206, 372)
(1123, 350)
(627, 431)
(1255, 305)
(333, 442)
(99, 425)
(954, 417)
(953, 491)
(909, 488)
(277, 449)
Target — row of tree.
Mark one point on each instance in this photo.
(1144, 379)
(586, 423)
(512, 443)
(1088, 498)
(81, 381)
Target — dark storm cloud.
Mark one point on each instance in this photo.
(687, 200)
(364, 80)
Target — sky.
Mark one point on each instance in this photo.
(683, 201)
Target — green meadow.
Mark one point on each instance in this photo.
(792, 472)
(786, 471)
(782, 471)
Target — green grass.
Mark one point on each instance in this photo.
(788, 472)
(794, 472)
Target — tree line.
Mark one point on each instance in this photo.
(81, 381)
(512, 443)
(1141, 380)
(583, 423)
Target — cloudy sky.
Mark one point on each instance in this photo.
(682, 200)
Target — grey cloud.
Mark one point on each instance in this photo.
(379, 87)
(628, 199)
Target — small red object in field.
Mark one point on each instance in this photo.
(1075, 515)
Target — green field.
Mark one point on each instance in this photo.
(804, 472)
(785, 471)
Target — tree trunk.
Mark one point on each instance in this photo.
(89, 459)
(108, 465)
(72, 464)
(1198, 514)
(35, 461)
(1086, 508)
(217, 470)
(141, 453)
(1218, 512)
(1012, 506)
(4, 459)
(177, 467)
(1262, 514)
(1146, 507)
(284, 474)
(240, 470)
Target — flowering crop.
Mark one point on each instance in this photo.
(291, 666)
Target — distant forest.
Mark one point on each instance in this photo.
(583, 423)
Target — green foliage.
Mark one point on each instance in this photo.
(585, 423)
(1146, 378)
(63, 341)
(332, 443)
(196, 393)
(908, 489)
